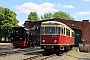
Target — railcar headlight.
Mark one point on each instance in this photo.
(55, 41)
(43, 41)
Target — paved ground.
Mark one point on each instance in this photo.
(85, 56)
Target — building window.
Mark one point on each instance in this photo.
(72, 24)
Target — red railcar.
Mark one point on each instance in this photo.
(56, 36)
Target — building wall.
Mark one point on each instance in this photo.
(86, 31)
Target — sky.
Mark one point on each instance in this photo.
(79, 9)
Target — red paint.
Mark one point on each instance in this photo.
(25, 43)
(49, 39)
(72, 40)
(18, 43)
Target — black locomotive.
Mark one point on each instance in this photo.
(23, 37)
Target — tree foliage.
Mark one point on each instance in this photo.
(7, 21)
(47, 16)
(58, 14)
(62, 15)
(33, 16)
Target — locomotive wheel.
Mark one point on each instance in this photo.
(48, 50)
(33, 46)
(15, 47)
(28, 45)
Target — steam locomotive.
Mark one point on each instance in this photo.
(22, 37)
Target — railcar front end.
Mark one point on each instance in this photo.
(56, 36)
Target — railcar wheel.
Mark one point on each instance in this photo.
(71, 47)
(66, 49)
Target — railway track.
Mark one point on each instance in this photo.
(50, 56)
(45, 56)
(14, 51)
(40, 57)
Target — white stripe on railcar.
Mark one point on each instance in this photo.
(52, 22)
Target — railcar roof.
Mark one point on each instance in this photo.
(52, 22)
(55, 22)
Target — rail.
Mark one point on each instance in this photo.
(40, 55)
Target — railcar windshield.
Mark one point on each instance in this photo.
(50, 30)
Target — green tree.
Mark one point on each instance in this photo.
(62, 15)
(33, 16)
(58, 14)
(7, 21)
(47, 16)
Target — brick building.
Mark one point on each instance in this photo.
(81, 28)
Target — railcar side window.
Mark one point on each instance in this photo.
(67, 32)
(42, 30)
(57, 30)
(64, 30)
(72, 34)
